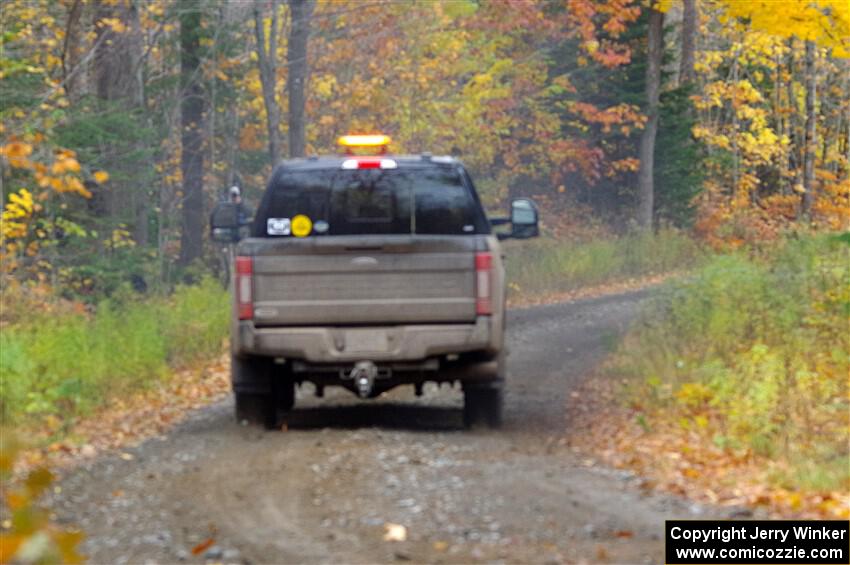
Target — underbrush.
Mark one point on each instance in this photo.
(552, 266)
(752, 354)
(63, 363)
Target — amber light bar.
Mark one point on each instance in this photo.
(377, 140)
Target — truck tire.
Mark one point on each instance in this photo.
(284, 392)
(257, 409)
(483, 401)
(262, 391)
(482, 406)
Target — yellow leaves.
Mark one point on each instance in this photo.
(826, 22)
(101, 176)
(113, 23)
(155, 9)
(21, 203)
(121, 238)
(663, 5)
(16, 215)
(694, 394)
(324, 85)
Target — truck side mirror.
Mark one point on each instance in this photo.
(524, 219)
(224, 222)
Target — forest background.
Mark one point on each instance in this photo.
(703, 135)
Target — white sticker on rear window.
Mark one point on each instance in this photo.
(278, 226)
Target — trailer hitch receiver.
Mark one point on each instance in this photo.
(364, 374)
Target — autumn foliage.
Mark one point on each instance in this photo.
(543, 98)
(746, 364)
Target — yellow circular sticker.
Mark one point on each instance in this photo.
(301, 226)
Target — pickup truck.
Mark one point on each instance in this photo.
(369, 272)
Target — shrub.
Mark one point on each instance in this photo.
(67, 363)
(755, 350)
(549, 265)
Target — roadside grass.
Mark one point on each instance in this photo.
(59, 366)
(751, 354)
(551, 266)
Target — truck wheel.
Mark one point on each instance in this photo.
(257, 409)
(256, 396)
(482, 406)
(284, 391)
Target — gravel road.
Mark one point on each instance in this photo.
(324, 490)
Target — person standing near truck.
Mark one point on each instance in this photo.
(244, 213)
(244, 216)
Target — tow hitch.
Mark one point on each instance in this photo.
(364, 374)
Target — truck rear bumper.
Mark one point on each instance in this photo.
(378, 343)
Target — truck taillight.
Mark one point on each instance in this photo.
(483, 283)
(245, 287)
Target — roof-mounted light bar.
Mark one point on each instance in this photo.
(377, 140)
(364, 144)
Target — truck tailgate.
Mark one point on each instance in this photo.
(364, 280)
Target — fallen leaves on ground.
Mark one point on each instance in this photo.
(685, 462)
(203, 546)
(521, 300)
(129, 421)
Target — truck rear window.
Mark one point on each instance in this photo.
(432, 200)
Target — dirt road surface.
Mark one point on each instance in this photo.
(324, 490)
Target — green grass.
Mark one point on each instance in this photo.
(66, 365)
(754, 350)
(547, 265)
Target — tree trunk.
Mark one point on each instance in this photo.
(646, 152)
(267, 60)
(794, 153)
(296, 56)
(690, 17)
(139, 190)
(113, 58)
(71, 75)
(112, 77)
(811, 118)
(191, 117)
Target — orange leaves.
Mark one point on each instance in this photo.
(626, 115)
(30, 528)
(65, 163)
(249, 138)
(583, 17)
(31, 167)
(17, 154)
(203, 546)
